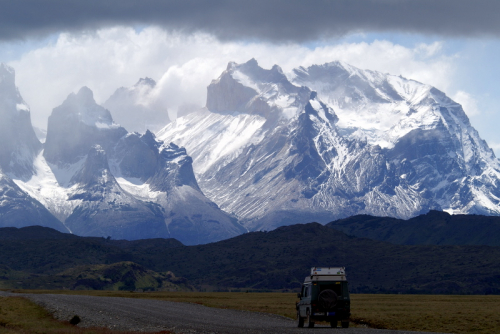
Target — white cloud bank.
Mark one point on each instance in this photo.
(184, 65)
(468, 102)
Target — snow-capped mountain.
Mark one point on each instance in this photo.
(273, 152)
(270, 149)
(132, 107)
(100, 180)
(18, 147)
(414, 123)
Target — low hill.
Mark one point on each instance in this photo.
(117, 276)
(433, 228)
(282, 258)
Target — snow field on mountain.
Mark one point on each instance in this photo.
(50, 185)
(213, 137)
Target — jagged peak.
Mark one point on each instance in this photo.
(277, 68)
(6, 70)
(146, 81)
(150, 139)
(85, 93)
(88, 111)
(251, 63)
(95, 169)
(7, 80)
(84, 96)
(231, 65)
(255, 90)
(323, 111)
(253, 70)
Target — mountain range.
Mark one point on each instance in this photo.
(92, 177)
(269, 149)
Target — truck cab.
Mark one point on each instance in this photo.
(324, 297)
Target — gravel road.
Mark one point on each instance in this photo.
(153, 315)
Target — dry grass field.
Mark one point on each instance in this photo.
(433, 313)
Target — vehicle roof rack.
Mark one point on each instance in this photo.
(326, 274)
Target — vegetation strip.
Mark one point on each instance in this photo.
(434, 313)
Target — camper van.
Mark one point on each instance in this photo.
(324, 297)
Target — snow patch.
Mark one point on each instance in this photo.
(50, 186)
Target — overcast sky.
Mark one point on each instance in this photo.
(57, 46)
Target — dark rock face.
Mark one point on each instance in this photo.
(107, 210)
(19, 142)
(139, 155)
(75, 126)
(18, 149)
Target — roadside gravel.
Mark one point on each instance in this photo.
(144, 315)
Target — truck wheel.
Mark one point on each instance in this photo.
(345, 324)
(300, 320)
(309, 321)
(327, 299)
(333, 324)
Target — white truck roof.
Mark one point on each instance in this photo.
(326, 274)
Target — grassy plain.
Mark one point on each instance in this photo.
(433, 313)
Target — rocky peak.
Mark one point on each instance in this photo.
(95, 171)
(83, 106)
(11, 101)
(7, 76)
(250, 89)
(76, 125)
(133, 107)
(146, 82)
(19, 144)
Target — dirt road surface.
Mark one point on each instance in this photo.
(145, 315)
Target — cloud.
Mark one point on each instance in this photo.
(184, 65)
(468, 102)
(277, 20)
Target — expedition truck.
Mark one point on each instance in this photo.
(324, 297)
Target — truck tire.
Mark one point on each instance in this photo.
(327, 299)
(300, 320)
(310, 323)
(345, 324)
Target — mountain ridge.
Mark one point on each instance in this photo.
(421, 153)
(97, 179)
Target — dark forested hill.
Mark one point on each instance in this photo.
(433, 228)
(276, 260)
